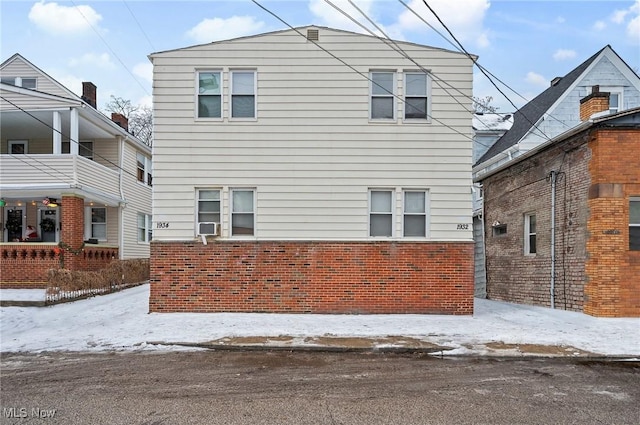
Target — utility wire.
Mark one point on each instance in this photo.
(395, 46)
(353, 68)
(481, 69)
(110, 49)
(139, 26)
(70, 139)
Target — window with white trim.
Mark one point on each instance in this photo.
(208, 208)
(415, 213)
(17, 147)
(243, 94)
(144, 228)
(25, 82)
(143, 164)
(209, 94)
(530, 243)
(382, 95)
(98, 223)
(615, 101)
(416, 96)
(242, 212)
(634, 224)
(381, 212)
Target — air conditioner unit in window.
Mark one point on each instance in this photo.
(208, 228)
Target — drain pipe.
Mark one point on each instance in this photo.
(553, 176)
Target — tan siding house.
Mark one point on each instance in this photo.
(277, 142)
(68, 171)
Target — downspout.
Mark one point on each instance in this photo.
(553, 176)
(484, 250)
(122, 205)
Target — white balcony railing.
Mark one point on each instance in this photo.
(42, 170)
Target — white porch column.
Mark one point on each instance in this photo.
(74, 132)
(57, 133)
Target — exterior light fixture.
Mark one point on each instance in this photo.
(50, 202)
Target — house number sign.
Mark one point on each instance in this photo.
(162, 225)
(463, 226)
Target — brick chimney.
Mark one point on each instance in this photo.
(89, 93)
(596, 102)
(121, 120)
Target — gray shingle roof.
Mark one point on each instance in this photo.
(525, 117)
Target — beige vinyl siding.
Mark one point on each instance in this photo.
(19, 68)
(30, 102)
(312, 153)
(138, 200)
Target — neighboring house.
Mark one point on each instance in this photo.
(287, 180)
(488, 127)
(70, 173)
(554, 111)
(563, 219)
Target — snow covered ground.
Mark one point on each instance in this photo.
(121, 321)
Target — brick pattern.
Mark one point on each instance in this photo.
(593, 103)
(613, 272)
(72, 229)
(525, 188)
(312, 277)
(595, 271)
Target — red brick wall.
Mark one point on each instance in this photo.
(613, 272)
(26, 266)
(72, 226)
(312, 277)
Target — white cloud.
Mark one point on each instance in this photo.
(560, 20)
(215, 29)
(618, 16)
(633, 25)
(102, 61)
(599, 26)
(63, 20)
(144, 70)
(536, 79)
(464, 18)
(564, 54)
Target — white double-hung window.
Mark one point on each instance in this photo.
(209, 94)
(382, 95)
(381, 212)
(242, 212)
(415, 213)
(416, 96)
(208, 211)
(243, 94)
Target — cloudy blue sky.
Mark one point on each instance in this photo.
(524, 43)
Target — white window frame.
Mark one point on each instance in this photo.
(19, 82)
(146, 168)
(89, 223)
(635, 225)
(426, 95)
(372, 95)
(146, 228)
(197, 207)
(425, 214)
(232, 212)
(11, 143)
(198, 90)
(232, 94)
(528, 233)
(390, 213)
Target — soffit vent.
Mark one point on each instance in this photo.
(313, 35)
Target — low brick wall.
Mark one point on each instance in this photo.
(26, 265)
(312, 277)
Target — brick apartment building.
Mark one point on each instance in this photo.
(563, 220)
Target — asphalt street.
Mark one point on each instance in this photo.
(280, 387)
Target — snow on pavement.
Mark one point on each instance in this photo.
(121, 321)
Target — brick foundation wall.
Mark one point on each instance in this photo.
(522, 189)
(312, 277)
(613, 271)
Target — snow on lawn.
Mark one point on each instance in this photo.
(121, 321)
